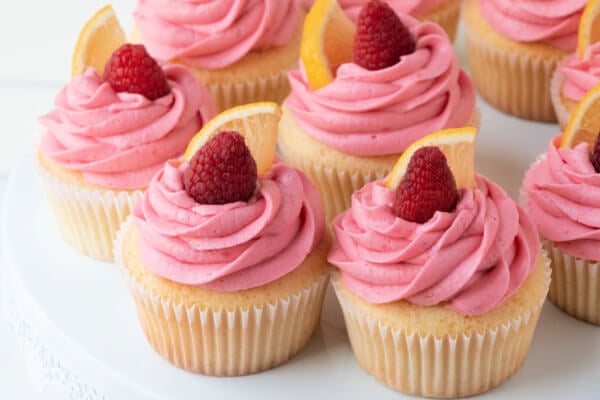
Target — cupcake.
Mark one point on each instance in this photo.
(441, 288)
(514, 48)
(351, 130)
(573, 78)
(242, 50)
(107, 135)
(562, 192)
(442, 12)
(228, 271)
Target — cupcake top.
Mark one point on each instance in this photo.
(119, 139)
(471, 259)
(212, 34)
(435, 233)
(563, 197)
(210, 222)
(580, 75)
(366, 112)
(416, 8)
(554, 22)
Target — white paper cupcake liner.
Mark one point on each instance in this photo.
(88, 220)
(335, 185)
(440, 367)
(562, 114)
(446, 16)
(513, 83)
(225, 342)
(575, 287)
(269, 88)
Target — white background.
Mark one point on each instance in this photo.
(36, 42)
(37, 38)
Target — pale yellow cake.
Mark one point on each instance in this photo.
(437, 352)
(226, 333)
(69, 176)
(337, 175)
(88, 216)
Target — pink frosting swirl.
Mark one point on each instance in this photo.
(416, 8)
(580, 74)
(120, 140)
(368, 113)
(472, 259)
(554, 22)
(233, 246)
(212, 34)
(563, 196)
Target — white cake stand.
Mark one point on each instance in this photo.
(78, 330)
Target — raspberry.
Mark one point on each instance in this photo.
(222, 171)
(381, 38)
(596, 155)
(131, 69)
(428, 186)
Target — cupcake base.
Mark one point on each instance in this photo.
(225, 333)
(513, 77)
(575, 287)
(88, 217)
(270, 87)
(337, 175)
(435, 352)
(445, 15)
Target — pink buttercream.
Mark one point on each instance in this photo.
(119, 140)
(416, 8)
(581, 74)
(234, 246)
(563, 196)
(368, 113)
(472, 259)
(554, 22)
(212, 34)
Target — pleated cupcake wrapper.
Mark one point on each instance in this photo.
(225, 342)
(440, 367)
(562, 114)
(88, 220)
(446, 16)
(513, 83)
(269, 88)
(575, 287)
(337, 185)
